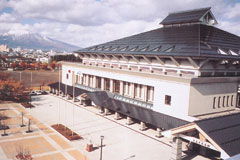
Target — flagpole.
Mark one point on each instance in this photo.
(66, 107)
(73, 104)
(59, 94)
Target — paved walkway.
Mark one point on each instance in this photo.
(43, 143)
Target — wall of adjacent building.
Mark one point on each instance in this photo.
(212, 97)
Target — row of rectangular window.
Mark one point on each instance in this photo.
(138, 91)
(223, 101)
(138, 88)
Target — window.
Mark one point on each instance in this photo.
(116, 85)
(223, 101)
(219, 100)
(232, 100)
(107, 84)
(135, 90)
(126, 86)
(214, 101)
(150, 93)
(76, 81)
(67, 75)
(167, 99)
(98, 79)
(227, 101)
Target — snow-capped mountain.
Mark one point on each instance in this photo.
(35, 41)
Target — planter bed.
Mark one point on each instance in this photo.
(66, 132)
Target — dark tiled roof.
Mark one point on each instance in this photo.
(185, 16)
(193, 40)
(225, 131)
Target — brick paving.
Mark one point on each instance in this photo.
(43, 143)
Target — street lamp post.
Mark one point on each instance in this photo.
(102, 137)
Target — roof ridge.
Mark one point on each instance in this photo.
(205, 119)
(184, 11)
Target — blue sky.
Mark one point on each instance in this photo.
(89, 22)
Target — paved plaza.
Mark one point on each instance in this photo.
(121, 141)
(43, 143)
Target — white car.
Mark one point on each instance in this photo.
(33, 93)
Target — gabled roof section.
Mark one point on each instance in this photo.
(203, 15)
(224, 130)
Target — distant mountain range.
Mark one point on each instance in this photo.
(35, 41)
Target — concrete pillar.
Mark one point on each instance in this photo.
(101, 110)
(159, 134)
(74, 99)
(68, 97)
(143, 126)
(176, 149)
(121, 88)
(129, 121)
(63, 95)
(111, 85)
(102, 84)
(57, 92)
(53, 91)
(117, 116)
(106, 111)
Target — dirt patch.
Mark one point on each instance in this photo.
(66, 132)
(34, 78)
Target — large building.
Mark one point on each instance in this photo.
(177, 78)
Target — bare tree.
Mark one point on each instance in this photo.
(23, 153)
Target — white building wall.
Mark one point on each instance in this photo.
(179, 92)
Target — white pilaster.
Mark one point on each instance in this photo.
(121, 87)
(111, 85)
(102, 84)
(94, 82)
(132, 90)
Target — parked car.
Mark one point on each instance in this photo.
(32, 93)
(37, 92)
(44, 92)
